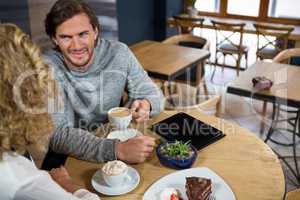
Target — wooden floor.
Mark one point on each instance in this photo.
(247, 113)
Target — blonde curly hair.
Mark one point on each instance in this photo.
(21, 127)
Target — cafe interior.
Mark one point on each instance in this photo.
(232, 64)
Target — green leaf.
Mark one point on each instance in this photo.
(177, 150)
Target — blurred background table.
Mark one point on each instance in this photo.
(165, 61)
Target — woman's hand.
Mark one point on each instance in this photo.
(61, 177)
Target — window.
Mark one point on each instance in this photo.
(245, 7)
(207, 6)
(284, 9)
(277, 11)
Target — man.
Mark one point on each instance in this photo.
(93, 74)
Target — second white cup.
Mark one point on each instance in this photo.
(119, 117)
(115, 173)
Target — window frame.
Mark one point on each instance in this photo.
(262, 14)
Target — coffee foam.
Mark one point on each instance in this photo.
(120, 113)
(115, 167)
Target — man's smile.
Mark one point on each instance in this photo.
(79, 53)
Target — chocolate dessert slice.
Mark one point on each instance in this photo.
(198, 188)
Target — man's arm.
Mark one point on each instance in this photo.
(140, 86)
(74, 141)
(83, 145)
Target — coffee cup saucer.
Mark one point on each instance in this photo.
(124, 135)
(131, 182)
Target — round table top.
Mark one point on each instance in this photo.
(245, 162)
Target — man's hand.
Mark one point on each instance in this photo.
(140, 110)
(135, 150)
(62, 178)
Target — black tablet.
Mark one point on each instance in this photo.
(184, 127)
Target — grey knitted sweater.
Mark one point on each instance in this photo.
(88, 95)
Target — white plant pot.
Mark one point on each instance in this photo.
(192, 11)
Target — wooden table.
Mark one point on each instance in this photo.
(285, 91)
(249, 28)
(248, 165)
(165, 61)
(286, 83)
(293, 195)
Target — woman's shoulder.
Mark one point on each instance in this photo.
(19, 166)
(17, 170)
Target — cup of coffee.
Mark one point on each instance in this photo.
(115, 173)
(119, 117)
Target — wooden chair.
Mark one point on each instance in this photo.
(192, 41)
(187, 98)
(163, 86)
(293, 195)
(187, 24)
(226, 45)
(286, 55)
(268, 48)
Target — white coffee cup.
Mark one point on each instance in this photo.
(119, 117)
(115, 173)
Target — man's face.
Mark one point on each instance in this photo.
(76, 39)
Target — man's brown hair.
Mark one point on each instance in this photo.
(63, 10)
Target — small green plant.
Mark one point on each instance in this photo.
(192, 2)
(177, 150)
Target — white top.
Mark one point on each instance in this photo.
(20, 179)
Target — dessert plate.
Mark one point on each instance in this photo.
(130, 183)
(124, 135)
(220, 189)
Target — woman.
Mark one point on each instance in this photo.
(25, 89)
